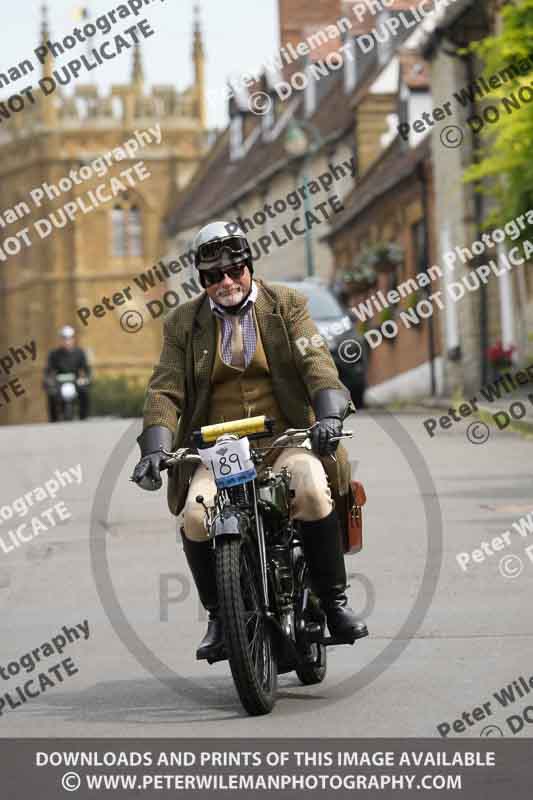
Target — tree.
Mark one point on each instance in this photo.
(506, 154)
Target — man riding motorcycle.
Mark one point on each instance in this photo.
(232, 353)
(65, 359)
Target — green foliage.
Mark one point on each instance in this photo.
(413, 299)
(117, 396)
(506, 161)
(385, 315)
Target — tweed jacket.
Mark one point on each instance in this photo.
(179, 390)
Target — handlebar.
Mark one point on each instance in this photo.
(184, 454)
(69, 377)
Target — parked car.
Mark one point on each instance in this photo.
(346, 345)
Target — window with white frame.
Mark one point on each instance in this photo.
(127, 230)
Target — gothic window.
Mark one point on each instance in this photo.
(135, 232)
(118, 221)
(127, 230)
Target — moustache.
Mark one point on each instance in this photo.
(228, 292)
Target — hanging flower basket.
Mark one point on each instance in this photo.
(360, 279)
(384, 256)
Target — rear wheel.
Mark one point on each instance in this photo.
(314, 670)
(248, 638)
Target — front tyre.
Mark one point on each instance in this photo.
(248, 640)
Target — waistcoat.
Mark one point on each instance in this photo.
(237, 393)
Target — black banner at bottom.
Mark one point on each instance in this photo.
(340, 768)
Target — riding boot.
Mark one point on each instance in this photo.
(325, 560)
(201, 559)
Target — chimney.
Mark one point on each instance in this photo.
(298, 18)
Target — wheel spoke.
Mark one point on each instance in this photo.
(254, 632)
(250, 587)
(258, 655)
(259, 647)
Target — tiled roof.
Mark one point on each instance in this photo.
(438, 20)
(221, 182)
(394, 166)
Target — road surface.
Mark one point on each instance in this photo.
(443, 639)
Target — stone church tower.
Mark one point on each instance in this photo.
(98, 253)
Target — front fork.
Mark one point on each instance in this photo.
(225, 520)
(261, 546)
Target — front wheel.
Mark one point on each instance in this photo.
(248, 639)
(68, 411)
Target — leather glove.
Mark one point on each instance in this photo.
(322, 433)
(147, 473)
(331, 406)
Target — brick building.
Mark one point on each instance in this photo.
(250, 164)
(392, 204)
(349, 116)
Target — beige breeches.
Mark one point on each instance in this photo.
(312, 496)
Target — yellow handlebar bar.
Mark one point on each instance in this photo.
(241, 427)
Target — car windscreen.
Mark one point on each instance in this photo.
(322, 304)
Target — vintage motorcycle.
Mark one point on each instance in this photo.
(64, 389)
(272, 621)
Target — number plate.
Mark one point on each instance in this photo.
(229, 462)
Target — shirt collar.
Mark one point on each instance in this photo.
(250, 300)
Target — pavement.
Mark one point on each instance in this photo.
(515, 408)
(443, 640)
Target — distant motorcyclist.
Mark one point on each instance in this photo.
(67, 359)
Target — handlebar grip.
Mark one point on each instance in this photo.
(165, 463)
(345, 435)
(241, 427)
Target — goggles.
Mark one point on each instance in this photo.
(212, 251)
(212, 276)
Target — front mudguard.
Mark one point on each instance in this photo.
(231, 521)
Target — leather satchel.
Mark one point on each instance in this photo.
(353, 527)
